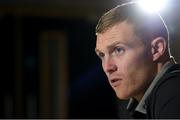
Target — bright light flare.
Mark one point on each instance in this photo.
(152, 5)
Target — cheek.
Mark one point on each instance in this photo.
(103, 66)
(133, 68)
(128, 64)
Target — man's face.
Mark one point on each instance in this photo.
(126, 60)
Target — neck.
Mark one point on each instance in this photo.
(158, 68)
(161, 64)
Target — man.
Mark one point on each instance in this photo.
(134, 49)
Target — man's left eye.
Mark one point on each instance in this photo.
(118, 50)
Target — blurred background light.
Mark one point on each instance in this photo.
(153, 5)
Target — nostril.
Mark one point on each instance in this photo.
(111, 69)
(109, 65)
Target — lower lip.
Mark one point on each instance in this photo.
(116, 83)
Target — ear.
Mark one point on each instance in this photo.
(158, 47)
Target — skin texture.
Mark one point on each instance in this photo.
(128, 63)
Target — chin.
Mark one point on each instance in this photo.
(123, 96)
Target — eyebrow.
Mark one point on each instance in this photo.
(115, 43)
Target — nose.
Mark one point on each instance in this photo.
(109, 66)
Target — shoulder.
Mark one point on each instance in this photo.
(166, 95)
(171, 79)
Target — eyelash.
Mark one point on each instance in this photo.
(116, 51)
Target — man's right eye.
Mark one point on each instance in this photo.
(101, 55)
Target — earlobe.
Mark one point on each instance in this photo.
(158, 47)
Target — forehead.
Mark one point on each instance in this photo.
(121, 32)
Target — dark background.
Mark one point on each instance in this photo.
(50, 69)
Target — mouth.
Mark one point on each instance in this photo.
(115, 82)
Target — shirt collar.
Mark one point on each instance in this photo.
(141, 107)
